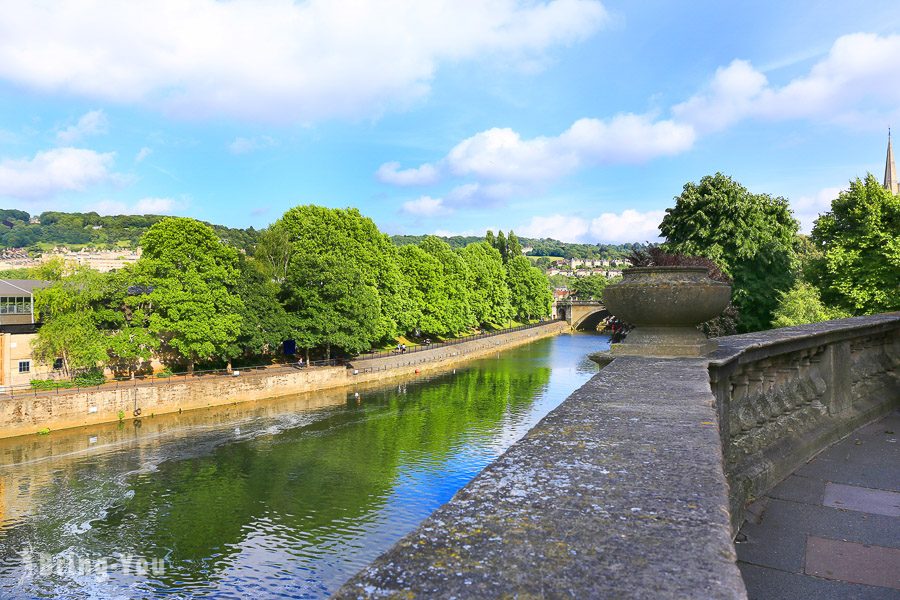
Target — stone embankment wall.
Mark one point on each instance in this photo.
(26, 414)
(623, 490)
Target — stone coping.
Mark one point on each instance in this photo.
(619, 492)
(746, 345)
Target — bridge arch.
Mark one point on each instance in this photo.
(591, 321)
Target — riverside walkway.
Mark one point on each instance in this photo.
(832, 528)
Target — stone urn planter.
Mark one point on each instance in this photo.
(665, 305)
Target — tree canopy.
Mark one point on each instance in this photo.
(190, 276)
(750, 236)
(858, 269)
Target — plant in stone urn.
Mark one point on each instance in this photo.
(665, 304)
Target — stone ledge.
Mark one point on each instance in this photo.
(748, 345)
(619, 492)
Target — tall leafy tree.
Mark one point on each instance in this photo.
(72, 311)
(332, 304)
(514, 246)
(130, 344)
(750, 236)
(801, 304)
(590, 287)
(456, 314)
(529, 290)
(264, 322)
(859, 240)
(488, 292)
(346, 235)
(190, 276)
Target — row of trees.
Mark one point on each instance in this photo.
(325, 278)
(850, 265)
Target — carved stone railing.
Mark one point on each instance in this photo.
(785, 394)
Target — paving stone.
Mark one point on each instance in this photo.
(779, 540)
(796, 488)
(764, 583)
(852, 497)
(852, 562)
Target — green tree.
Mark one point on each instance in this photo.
(514, 247)
(529, 290)
(801, 304)
(425, 289)
(859, 241)
(264, 322)
(274, 251)
(190, 276)
(590, 287)
(488, 292)
(71, 310)
(72, 337)
(454, 282)
(332, 304)
(125, 320)
(346, 235)
(750, 236)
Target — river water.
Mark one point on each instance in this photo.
(276, 499)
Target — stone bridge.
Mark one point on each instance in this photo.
(580, 314)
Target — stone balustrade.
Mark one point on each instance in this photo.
(785, 394)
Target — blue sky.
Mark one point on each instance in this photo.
(573, 119)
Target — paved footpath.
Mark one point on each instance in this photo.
(832, 529)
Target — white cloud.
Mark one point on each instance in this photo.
(808, 208)
(242, 145)
(91, 123)
(855, 76)
(144, 206)
(426, 206)
(154, 206)
(390, 172)
(559, 227)
(272, 60)
(628, 226)
(142, 154)
(501, 154)
(54, 171)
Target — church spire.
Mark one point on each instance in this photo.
(890, 169)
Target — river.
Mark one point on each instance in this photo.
(280, 499)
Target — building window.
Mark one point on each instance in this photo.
(24, 366)
(57, 364)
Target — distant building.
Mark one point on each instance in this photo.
(99, 260)
(891, 182)
(17, 330)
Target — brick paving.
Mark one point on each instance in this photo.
(832, 529)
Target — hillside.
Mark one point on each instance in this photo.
(74, 230)
(51, 229)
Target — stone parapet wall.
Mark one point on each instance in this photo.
(442, 355)
(785, 394)
(27, 414)
(620, 492)
(632, 486)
